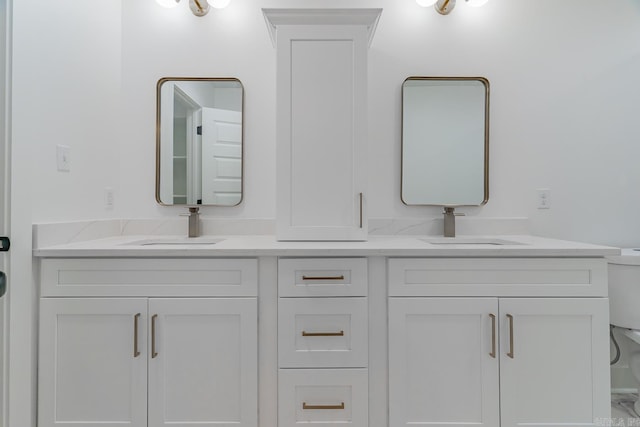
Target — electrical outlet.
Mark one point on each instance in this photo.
(63, 153)
(109, 198)
(544, 198)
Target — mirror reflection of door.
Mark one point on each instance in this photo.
(221, 156)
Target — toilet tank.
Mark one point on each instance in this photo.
(624, 289)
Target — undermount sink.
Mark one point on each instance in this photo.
(471, 241)
(175, 241)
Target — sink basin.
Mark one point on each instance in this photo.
(471, 241)
(175, 241)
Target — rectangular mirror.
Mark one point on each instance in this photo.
(445, 141)
(199, 142)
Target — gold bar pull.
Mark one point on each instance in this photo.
(154, 353)
(341, 277)
(360, 210)
(510, 354)
(493, 335)
(305, 406)
(322, 334)
(136, 351)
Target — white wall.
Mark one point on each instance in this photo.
(564, 102)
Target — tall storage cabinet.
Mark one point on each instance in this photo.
(321, 121)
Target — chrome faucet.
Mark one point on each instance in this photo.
(450, 221)
(194, 222)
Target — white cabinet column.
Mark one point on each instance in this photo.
(321, 121)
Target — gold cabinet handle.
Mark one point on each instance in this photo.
(154, 353)
(493, 335)
(305, 406)
(341, 277)
(360, 210)
(510, 354)
(322, 334)
(136, 351)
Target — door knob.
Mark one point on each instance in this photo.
(5, 243)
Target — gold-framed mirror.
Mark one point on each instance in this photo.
(445, 141)
(199, 141)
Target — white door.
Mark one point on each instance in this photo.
(221, 156)
(555, 370)
(203, 362)
(4, 209)
(93, 362)
(443, 363)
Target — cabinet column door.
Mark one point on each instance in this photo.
(92, 370)
(321, 128)
(441, 371)
(555, 371)
(203, 362)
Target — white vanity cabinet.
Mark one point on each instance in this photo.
(148, 361)
(497, 361)
(321, 121)
(322, 342)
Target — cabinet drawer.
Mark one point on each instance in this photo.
(497, 277)
(306, 277)
(149, 277)
(323, 397)
(322, 332)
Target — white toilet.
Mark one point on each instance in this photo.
(624, 304)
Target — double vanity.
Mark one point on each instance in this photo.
(248, 331)
(322, 323)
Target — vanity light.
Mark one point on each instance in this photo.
(198, 7)
(444, 7)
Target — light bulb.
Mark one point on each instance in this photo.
(477, 3)
(426, 3)
(219, 4)
(168, 3)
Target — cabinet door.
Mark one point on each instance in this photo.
(92, 370)
(203, 362)
(555, 370)
(321, 128)
(443, 366)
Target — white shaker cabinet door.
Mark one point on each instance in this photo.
(321, 128)
(554, 367)
(443, 363)
(93, 362)
(203, 362)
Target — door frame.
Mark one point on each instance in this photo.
(4, 198)
(20, 381)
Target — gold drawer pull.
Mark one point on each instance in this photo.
(305, 406)
(322, 334)
(323, 277)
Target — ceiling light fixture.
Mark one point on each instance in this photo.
(444, 7)
(198, 7)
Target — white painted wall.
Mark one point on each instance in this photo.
(564, 102)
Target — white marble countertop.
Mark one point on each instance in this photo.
(267, 245)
